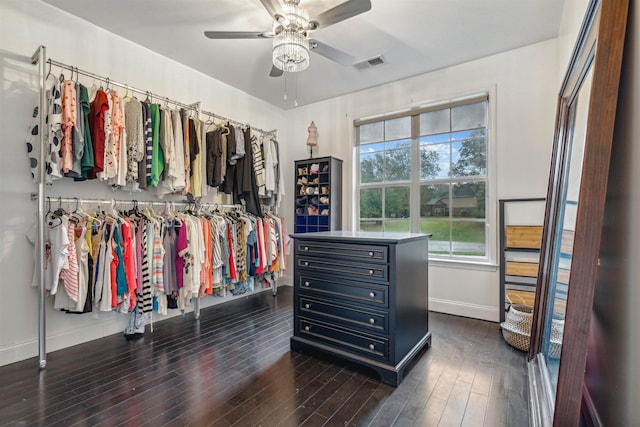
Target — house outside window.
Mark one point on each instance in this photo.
(425, 170)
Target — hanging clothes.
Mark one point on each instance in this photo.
(145, 165)
(178, 140)
(134, 127)
(157, 156)
(87, 161)
(69, 116)
(98, 108)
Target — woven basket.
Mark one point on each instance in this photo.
(516, 329)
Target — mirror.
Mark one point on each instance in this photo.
(573, 216)
(555, 312)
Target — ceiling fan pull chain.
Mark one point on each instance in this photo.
(295, 102)
(285, 86)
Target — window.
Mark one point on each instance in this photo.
(426, 170)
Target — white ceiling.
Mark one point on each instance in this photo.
(414, 36)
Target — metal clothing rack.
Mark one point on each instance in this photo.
(39, 58)
(166, 203)
(194, 107)
(236, 123)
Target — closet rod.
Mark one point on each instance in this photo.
(234, 122)
(122, 85)
(197, 204)
(195, 106)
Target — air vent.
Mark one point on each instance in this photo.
(369, 63)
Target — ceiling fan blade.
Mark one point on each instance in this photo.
(273, 7)
(276, 72)
(237, 34)
(343, 11)
(331, 53)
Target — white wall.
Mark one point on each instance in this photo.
(24, 25)
(525, 82)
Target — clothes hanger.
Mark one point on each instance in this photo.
(49, 72)
(126, 94)
(107, 90)
(225, 127)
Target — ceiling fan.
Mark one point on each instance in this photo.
(291, 33)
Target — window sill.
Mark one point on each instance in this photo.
(468, 265)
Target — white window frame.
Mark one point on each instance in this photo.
(489, 261)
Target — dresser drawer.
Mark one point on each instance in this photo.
(344, 251)
(350, 340)
(363, 318)
(378, 272)
(358, 292)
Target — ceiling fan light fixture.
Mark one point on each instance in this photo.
(290, 43)
(290, 51)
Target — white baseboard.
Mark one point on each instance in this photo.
(89, 329)
(457, 308)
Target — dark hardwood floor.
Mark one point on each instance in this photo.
(234, 367)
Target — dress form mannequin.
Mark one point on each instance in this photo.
(312, 139)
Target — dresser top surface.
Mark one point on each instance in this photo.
(361, 236)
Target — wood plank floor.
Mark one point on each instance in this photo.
(234, 367)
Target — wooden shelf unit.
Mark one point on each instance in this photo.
(519, 257)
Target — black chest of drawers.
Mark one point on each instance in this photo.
(362, 296)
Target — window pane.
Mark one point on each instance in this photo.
(370, 225)
(371, 203)
(434, 201)
(469, 157)
(469, 116)
(372, 132)
(372, 148)
(469, 238)
(396, 203)
(398, 165)
(371, 167)
(402, 225)
(435, 161)
(468, 200)
(397, 128)
(439, 243)
(400, 143)
(435, 122)
(470, 133)
(431, 139)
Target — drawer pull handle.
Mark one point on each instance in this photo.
(306, 248)
(372, 294)
(307, 283)
(371, 254)
(372, 320)
(307, 328)
(371, 272)
(307, 306)
(306, 264)
(372, 347)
